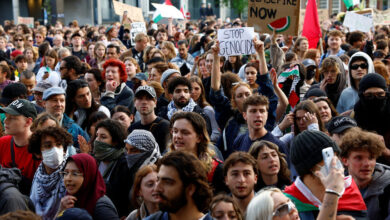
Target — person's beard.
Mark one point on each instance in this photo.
(175, 204)
(180, 104)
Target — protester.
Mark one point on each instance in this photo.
(188, 131)
(144, 196)
(49, 144)
(271, 165)
(145, 103)
(20, 115)
(188, 193)
(109, 151)
(326, 109)
(117, 93)
(80, 104)
(54, 102)
(306, 156)
(240, 171)
(85, 188)
(359, 65)
(224, 207)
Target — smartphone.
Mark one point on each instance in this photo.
(327, 155)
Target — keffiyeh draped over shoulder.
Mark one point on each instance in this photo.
(47, 191)
(144, 141)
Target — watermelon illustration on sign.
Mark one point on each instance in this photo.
(280, 24)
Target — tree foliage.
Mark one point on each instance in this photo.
(239, 5)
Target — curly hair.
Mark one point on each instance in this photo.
(257, 146)
(191, 172)
(117, 63)
(61, 136)
(355, 139)
(173, 83)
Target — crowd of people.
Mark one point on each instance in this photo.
(96, 125)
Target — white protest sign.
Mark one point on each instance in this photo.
(136, 27)
(357, 22)
(236, 41)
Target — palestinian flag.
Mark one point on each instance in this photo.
(351, 200)
(292, 73)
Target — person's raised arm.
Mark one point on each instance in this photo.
(259, 47)
(283, 100)
(170, 29)
(215, 71)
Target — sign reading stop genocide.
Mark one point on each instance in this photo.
(236, 41)
(279, 15)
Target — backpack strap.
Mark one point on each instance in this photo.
(13, 153)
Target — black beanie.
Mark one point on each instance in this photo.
(306, 150)
(316, 92)
(372, 80)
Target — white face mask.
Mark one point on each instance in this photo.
(53, 157)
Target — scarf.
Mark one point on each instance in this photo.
(93, 187)
(47, 191)
(144, 141)
(172, 108)
(305, 201)
(106, 152)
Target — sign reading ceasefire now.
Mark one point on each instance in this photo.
(279, 15)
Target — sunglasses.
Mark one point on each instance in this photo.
(356, 66)
(284, 209)
(19, 40)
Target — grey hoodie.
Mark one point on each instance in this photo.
(380, 180)
(350, 96)
(368, 60)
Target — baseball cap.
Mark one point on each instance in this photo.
(42, 86)
(52, 91)
(141, 76)
(75, 34)
(339, 124)
(147, 89)
(309, 62)
(11, 92)
(20, 107)
(168, 73)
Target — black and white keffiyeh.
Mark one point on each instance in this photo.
(146, 143)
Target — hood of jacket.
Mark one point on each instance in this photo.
(380, 179)
(368, 60)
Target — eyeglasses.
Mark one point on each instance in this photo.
(356, 66)
(19, 40)
(72, 174)
(284, 209)
(372, 95)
